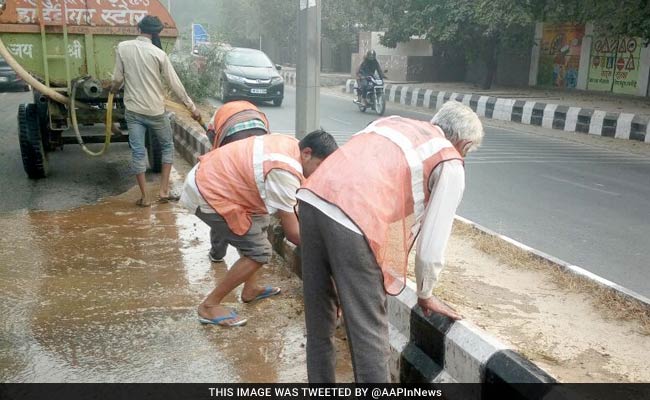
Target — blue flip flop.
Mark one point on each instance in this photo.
(268, 292)
(219, 320)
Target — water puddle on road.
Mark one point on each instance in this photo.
(108, 293)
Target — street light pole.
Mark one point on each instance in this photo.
(308, 68)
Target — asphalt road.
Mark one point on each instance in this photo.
(75, 178)
(585, 204)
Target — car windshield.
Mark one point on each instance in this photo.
(3, 62)
(248, 59)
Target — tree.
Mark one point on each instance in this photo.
(613, 18)
(479, 28)
(243, 22)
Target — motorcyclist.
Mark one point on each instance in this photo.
(369, 66)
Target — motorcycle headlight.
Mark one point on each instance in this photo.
(277, 79)
(234, 78)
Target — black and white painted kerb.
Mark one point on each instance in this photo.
(551, 116)
(435, 349)
(423, 349)
(189, 140)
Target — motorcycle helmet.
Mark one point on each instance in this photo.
(371, 55)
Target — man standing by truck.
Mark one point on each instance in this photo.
(141, 66)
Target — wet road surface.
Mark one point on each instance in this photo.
(75, 178)
(108, 293)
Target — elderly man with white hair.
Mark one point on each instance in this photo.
(360, 214)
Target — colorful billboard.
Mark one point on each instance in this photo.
(560, 55)
(614, 64)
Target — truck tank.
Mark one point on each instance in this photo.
(65, 49)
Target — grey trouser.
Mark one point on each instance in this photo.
(254, 244)
(337, 260)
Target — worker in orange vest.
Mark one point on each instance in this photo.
(233, 121)
(359, 216)
(234, 189)
(236, 120)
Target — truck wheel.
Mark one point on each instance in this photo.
(43, 122)
(154, 152)
(31, 144)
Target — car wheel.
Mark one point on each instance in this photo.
(278, 102)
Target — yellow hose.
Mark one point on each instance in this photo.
(75, 125)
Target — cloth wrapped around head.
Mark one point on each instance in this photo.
(153, 26)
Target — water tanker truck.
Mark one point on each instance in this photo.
(65, 50)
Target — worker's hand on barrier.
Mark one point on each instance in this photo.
(435, 305)
(196, 115)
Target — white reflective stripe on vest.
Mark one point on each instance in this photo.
(431, 147)
(258, 165)
(413, 160)
(285, 159)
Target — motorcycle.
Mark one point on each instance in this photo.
(375, 96)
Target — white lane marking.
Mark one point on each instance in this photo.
(340, 121)
(580, 185)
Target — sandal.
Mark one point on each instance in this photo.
(221, 321)
(142, 203)
(268, 292)
(170, 198)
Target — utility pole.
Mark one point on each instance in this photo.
(308, 68)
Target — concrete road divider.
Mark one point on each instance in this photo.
(552, 116)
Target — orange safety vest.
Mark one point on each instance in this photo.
(386, 194)
(231, 178)
(227, 111)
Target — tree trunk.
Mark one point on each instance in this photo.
(490, 57)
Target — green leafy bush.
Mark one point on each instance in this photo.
(199, 73)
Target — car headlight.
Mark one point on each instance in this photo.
(277, 79)
(234, 78)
